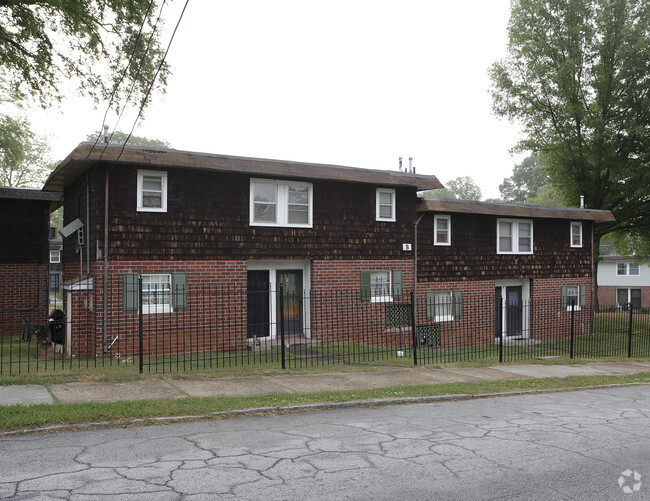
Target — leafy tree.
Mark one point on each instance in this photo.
(546, 195)
(92, 42)
(527, 178)
(461, 188)
(576, 78)
(23, 155)
(118, 137)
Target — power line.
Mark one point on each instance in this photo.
(123, 76)
(153, 80)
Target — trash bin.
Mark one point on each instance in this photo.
(55, 324)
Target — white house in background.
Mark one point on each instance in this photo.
(621, 280)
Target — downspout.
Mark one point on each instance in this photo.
(87, 230)
(415, 267)
(105, 285)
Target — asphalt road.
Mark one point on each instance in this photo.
(589, 445)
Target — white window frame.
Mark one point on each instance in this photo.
(437, 218)
(444, 299)
(57, 253)
(281, 203)
(577, 296)
(515, 223)
(378, 205)
(381, 291)
(159, 307)
(627, 271)
(163, 184)
(575, 225)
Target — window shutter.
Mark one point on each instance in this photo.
(365, 285)
(431, 305)
(179, 290)
(583, 296)
(458, 303)
(130, 292)
(397, 284)
(565, 302)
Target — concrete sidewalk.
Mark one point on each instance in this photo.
(304, 383)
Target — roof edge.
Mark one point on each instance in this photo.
(515, 210)
(88, 154)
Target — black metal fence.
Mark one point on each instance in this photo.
(151, 327)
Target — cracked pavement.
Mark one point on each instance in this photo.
(568, 446)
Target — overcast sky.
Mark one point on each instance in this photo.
(352, 82)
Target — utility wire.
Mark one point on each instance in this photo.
(153, 80)
(122, 77)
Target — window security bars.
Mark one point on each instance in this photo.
(163, 323)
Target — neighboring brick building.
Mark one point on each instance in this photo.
(187, 221)
(526, 255)
(24, 256)
(622, 280)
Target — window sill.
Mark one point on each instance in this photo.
(151, 209)
(275, 225)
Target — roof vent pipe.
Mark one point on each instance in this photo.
(582, 201)
(410, 164)
(400, 164)
(105, 134)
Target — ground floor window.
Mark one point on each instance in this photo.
(574, 296)
(443, 306)
(161, 292)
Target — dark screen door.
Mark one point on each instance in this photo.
(291, 282)
(514, 311)
(258, 303)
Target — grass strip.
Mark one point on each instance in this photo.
(20, 417)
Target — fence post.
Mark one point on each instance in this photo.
(140, 335)
(281, 322)
(414, 329)
(501, 313)
(629, 331)
(573, 314)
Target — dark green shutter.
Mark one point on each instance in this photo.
(179, 290)
(130, 292)
(458, 303)
(365, 285)
(583, 296)
(397, 284)
(431, 305)
(565, 301)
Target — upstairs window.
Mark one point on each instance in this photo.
(152, 191)
(281, 203)
(442, 230)
(627, 269)
(514, 236)
(55, 256)
(576, 234)
(385, 208)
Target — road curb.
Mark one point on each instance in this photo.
(290, 409)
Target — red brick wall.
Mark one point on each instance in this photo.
(23, 293)
(214, 319)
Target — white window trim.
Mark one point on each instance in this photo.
(159, 308)
(576, 307)
(449, 304)
(436, 218)
(515, 236)
(384, 298)
(627, 270)
(163, 200)
(391, 191)
(282, 203)
(575, 224)
(56, 253)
